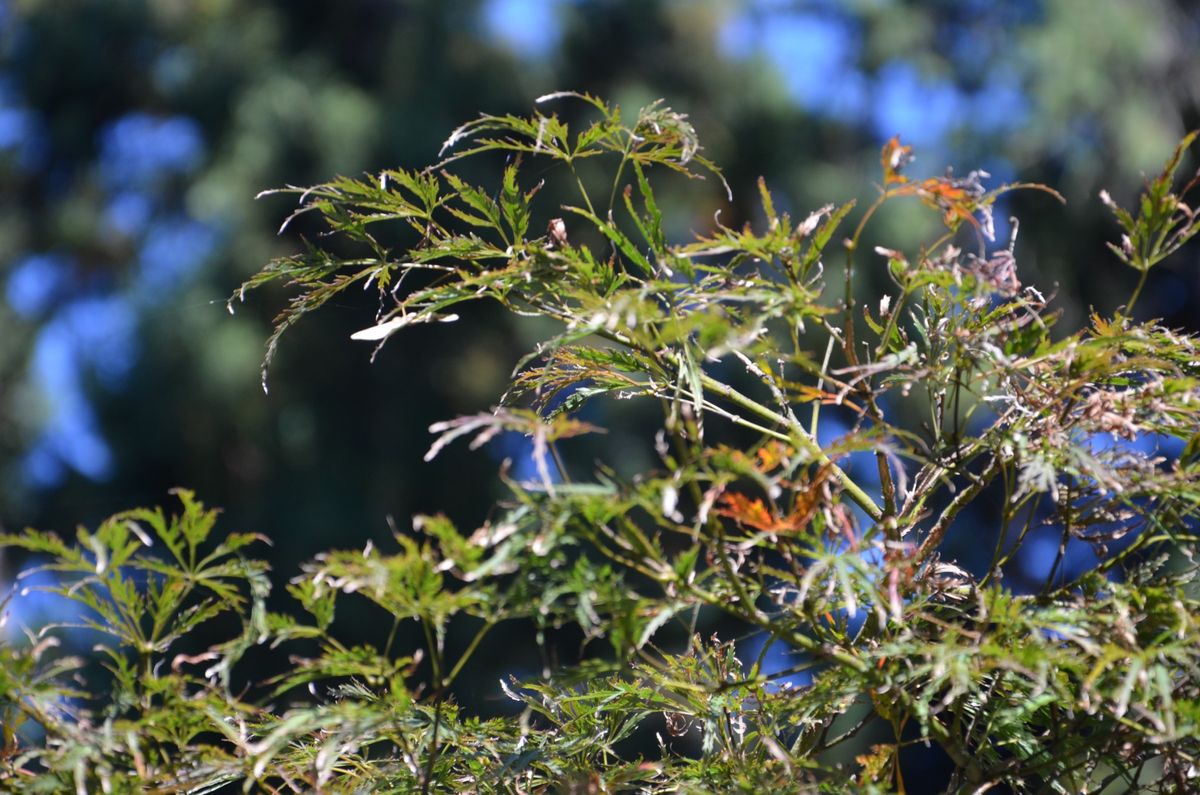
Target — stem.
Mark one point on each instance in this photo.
(938, 531)
(435, 660)
(925, 483)
(800, 641)
(816, 408)
(999, 558)
(731, 576)
(387, 647)
(612, 197)
(800, 434)
(435, 651)
(558, 462)
(427, 778)
(1136, 292)
(618, 557)
(885, 471)
(851, 246)
(889, 491)
(582, 190)
(466, 655)
(738, 419)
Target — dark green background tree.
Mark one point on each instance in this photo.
(135, 134)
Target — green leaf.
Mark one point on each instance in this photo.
(619, 239)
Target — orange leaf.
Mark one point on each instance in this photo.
(771, 455)
(747, 511)
(894, 158)
(752, 512)
(958, 199)
(808, 498)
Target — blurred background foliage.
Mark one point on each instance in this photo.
(134, 135)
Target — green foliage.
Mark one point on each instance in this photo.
(963, 397)
(1164, 223)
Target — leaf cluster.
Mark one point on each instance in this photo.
(982, 424)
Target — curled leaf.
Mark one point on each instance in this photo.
(385, 329)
